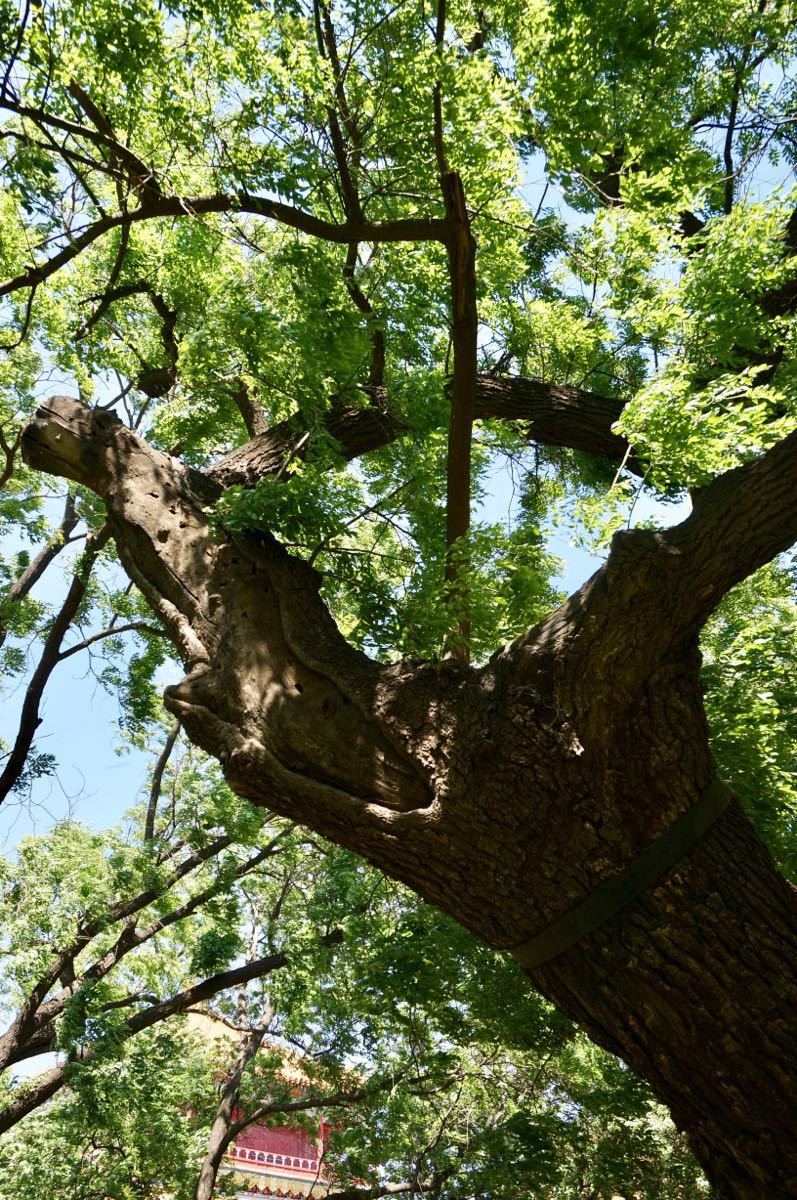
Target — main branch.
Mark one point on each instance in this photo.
(507, 795)
(549, 414)
(408, 229)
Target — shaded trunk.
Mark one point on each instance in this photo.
(506, 795)
(694, 987)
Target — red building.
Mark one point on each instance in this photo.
(283, 1161)
(279, 1162)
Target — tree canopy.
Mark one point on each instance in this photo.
(327, 324)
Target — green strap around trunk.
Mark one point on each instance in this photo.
(617, 893)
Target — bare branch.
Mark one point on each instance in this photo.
(50, 656)
(157, 780)
(112, 631)
(39, 564)
(342, 1099)
(464, 331)
(328, 47)
(376, 373)
(552, 415)
(102, 136)
(12, 58)
(107, 298)
(409, 229)
(23, 333)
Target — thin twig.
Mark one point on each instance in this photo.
(157, 780)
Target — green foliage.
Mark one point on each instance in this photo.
(711, 408)
(494, 1096)
(119, 1130)
(625, 112)
(38, 765)
(748, 651)
(618, 94)
(217, 945)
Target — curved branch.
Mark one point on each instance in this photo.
(102, 137)
(157, 779)
(111, 631)
(553, 415)
(143, 177)
(39, 564)
(26, 320)
(557, 415)
(50, 656)
(107, 298)
(740, 521)
(408, 229)
(9, 450)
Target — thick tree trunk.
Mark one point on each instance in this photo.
(693, 986)
(506, 795)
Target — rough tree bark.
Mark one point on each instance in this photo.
(506, 794)
(551, 416)
(221, 1133)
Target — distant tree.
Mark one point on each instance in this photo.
(448, 1089)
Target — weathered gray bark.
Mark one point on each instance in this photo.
(504, 795)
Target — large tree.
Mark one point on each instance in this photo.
(307, 222)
